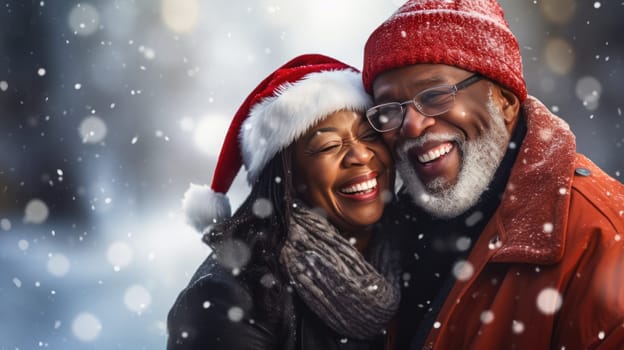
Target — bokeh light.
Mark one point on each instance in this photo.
(5, 224)
(92, 129)
(86, 327)
(262, 208)
(559, 55)
(180, 15)
(58, 265)
(209, 134)
(119, 254)
(137, 298)
(233, 254)
(36, 212)
(588, 90)
(23, 244)
(558, 11)
(84, 19)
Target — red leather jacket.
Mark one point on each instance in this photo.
(548, 270)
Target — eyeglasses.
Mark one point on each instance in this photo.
(431, 102)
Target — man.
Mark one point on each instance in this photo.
(514, 240)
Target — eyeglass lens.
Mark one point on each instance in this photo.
(430, 102)
(385, 117)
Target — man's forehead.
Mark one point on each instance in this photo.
(405, 81)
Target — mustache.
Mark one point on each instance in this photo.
(404, 148)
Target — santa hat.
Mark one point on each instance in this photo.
(282, 108)
(469, 34)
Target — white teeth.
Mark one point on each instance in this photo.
(361, 187)
(435, 153)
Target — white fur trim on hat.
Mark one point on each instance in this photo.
(276, 121)
(204, 207)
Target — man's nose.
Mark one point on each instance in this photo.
(415, 122)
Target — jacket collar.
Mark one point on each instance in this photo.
(531, 219)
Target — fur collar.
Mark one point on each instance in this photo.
(532, 217)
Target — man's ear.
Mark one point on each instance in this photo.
(510, 106)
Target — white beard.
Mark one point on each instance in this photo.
(480, 160)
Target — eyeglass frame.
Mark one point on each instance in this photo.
(454, 90)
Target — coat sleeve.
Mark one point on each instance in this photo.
(595, 318)
(606, 295)
(215, 313)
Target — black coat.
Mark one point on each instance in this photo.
(218, 310)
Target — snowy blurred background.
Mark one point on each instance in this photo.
(108, 109)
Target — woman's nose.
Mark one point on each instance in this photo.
(358, 154)
(415, 122)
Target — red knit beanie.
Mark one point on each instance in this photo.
(468, 34)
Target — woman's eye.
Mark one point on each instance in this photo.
(328, 148)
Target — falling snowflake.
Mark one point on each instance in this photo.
(463, 270)
(262, 208)
(517, 327)
(235, 314)
(474, 218)
(487, 316)
(92, 129)
(549, 301)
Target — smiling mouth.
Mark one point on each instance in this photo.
(363, 187)
(435, 153)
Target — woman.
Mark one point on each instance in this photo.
(287, 270)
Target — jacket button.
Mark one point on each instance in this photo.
(582, 172)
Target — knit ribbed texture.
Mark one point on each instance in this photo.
(335, 281)
(468, 34)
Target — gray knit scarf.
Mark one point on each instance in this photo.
(334, 279)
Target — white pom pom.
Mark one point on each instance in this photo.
(203, 206)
